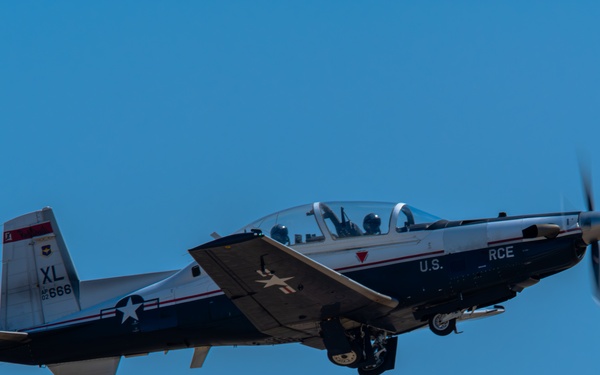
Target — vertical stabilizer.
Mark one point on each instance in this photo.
(39, 281)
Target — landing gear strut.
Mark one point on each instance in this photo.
(381, 357)
(372, 352)
(444, 324)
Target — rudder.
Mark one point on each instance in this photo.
(39, 281)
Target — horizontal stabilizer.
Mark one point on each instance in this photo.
(10, 339)
(13, 336)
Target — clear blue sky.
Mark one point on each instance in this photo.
(149, 125)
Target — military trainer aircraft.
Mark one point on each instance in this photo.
(344, 277)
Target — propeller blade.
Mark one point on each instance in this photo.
(587, 185)
(586, 178)
(596, 270)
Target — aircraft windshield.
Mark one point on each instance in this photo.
(307, 223)
(411, 218)
(422, 217)
(290, 227)
(351, 219)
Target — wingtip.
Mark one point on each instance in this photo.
(228, 240)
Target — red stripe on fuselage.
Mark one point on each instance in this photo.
(190, 297)
(27, 232)
(97, 316)
(391, 260)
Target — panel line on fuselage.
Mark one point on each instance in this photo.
(523, 239)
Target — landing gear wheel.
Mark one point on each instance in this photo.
(378, 368)
(350, 359)
(441, 328)
(384, 357)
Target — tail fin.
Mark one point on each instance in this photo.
(39, 281)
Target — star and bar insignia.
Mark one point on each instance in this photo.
(275, 281)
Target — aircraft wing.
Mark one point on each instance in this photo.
(282, 292)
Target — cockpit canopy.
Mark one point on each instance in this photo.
(323, 221)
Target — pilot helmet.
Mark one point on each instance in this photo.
(280, 234)
(371, 223)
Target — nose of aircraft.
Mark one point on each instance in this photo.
(590, 226)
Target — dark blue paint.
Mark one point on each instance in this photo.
(217, 321)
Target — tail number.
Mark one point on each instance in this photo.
(50, 278)
(56, 292)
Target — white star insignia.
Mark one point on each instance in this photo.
(275, 281)
(129, 310)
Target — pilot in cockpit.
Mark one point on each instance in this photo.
(280, 234)
(372, 224)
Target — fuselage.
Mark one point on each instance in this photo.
(430, 268)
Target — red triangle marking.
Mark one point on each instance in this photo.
(362, 256)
